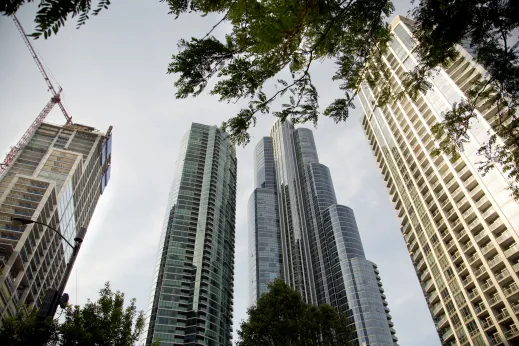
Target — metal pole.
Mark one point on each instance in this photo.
(55, 298)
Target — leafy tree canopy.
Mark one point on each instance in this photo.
(269, 36)
(104, 322)
(281, 317)
(490, 29)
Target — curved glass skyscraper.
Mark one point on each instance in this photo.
(298, 232)
(191, 302)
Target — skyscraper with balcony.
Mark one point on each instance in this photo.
(299, 233)
(55, 179)
(460, 227)
(191, 302)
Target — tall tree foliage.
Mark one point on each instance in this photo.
(281, 317)
(267, 37)
(24, 329)
(103, 322)
(490, 27)
(52, 14)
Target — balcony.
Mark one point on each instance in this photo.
(473, 258)
(480, 308)
(447, 334)
(474, 224)
(487, 215)
(495, 340)
(483, 201)
(487, 323)
(425, 275)
(512, 250)
(455, 223)
(455, 256)
(473, 294)
(476, 192)
(432, 297)
(413, 244)
(489, 246)
(512, 332)
(496, 224)
(503, 315)
(466, 246)
(420, 264)
(461, 234)
(461, 268)
(436, 308)
(469, 181)
(463, 171)
(511, 289)
(417, 255)
(467, 281)
(480, 271)
(494, 300)
(506, 235)
(480, 236)
(450, 244)
(441, 321)
(427, 285)
(487, 285)
(503, 275)
(494, 261)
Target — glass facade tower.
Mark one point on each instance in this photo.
(460, 227)
(191, 302)
(55, 179)
(298, 232)
(264, 237)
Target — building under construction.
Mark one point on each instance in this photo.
(53, 179)
(56, 179)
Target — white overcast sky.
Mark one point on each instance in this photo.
(113, 72)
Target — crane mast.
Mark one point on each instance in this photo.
(55, 99)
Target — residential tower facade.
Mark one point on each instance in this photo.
(191, 302)
(460, 227)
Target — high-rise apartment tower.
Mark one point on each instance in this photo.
(56, 179)
(299, 233)
(460, 227)
(191, 302)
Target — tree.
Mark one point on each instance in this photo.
(24, 329)
(491, 28)
(281, 317)
(52, 14)
(267, 37)
(104, 322)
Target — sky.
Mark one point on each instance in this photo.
(113, 72)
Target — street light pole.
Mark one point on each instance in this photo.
(54, 297)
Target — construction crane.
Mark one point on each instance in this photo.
(55, 99)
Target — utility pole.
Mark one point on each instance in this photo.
(54, 297)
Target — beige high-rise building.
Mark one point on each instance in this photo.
(460, 227)
(55, 179)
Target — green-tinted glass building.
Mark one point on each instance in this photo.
(191, 302)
